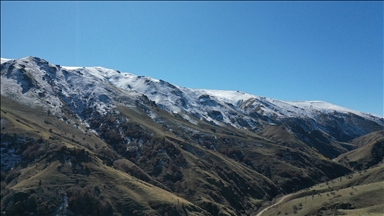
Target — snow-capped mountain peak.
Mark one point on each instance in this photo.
(38, 83)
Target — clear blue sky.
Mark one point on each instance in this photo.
(330, 51)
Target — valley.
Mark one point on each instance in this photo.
(358, 193)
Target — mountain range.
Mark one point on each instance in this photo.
(97, 141)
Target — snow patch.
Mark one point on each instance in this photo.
(3, 60)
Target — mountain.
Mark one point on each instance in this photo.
(97, 91)
(110, 137)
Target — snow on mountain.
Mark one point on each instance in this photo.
(23, 82)
(3, 60)
(36, 82)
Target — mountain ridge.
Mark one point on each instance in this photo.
(103, 89)
(124, 80)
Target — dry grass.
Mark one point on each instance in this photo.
(357, 194)
(34, 122)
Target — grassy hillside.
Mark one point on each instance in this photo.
(60, 169)
(369, 153)
(360, 193)
(128, 163)
(369, 138)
